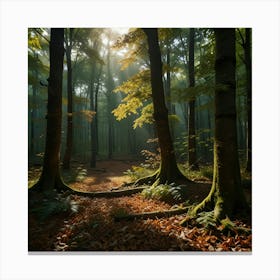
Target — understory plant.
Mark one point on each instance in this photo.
(164, 192)
(54, 204)
(137, 172)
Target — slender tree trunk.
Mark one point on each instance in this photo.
(50, 177)
(131, 137)
(248, 61)
(92, 126)
(96, 116)
(69, 137)
(169, 171)
(33, 111)
(110, 87)
(191, 116)
(226, 193)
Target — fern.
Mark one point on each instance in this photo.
(164, 192)
(206, 219)
(54, 205)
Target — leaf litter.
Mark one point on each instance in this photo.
(93, 228)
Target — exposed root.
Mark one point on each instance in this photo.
(226, 226)
(198, 208)
(115, 193)
(44, 185)
(149, 180)
(152, 215)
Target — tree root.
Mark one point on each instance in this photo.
(156, 179)
(148, 180)
(152, 215)
(226, 225)
(42, 185)
(115, 193)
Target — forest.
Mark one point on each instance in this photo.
(140, 139)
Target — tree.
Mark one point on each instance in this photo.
(37, 71)
(94, 108)
(69, 137)
(191, 112)
(226, 195)
(248, 63)
(110, 102)
(168, 171)
(34, 109)
(50, 177)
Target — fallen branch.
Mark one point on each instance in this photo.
(152, 215)
(116, 193)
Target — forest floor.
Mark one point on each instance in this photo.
(91, 225)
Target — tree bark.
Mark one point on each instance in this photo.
(50, 177)
(226, 193)
(193, 165)
(69, 137)
(170, 107)
(168, 171)
(34, 111)
(248, 63)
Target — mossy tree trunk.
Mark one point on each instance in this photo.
(226, 195)
(50, 178)
(69, 137)
(168, 171)
(191, 112)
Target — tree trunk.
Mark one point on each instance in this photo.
(226, 192)
(94, 107)
(98, 86)
(110, 87)
(69, 137)
(169, 105)
(193, 165)
(33, 112)
(92, 125)
(248, 61)
(50, 177)
(169, 171)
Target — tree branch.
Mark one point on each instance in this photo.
(242, 38)
(44, 37)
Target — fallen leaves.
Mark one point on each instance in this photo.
(92, 228)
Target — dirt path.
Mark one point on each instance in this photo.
(106, 176)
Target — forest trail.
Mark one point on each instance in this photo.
(92, 227)
(107, 175)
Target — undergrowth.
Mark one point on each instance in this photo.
(164, 192)
(137, 172)
(205, 172)
(54, 204)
